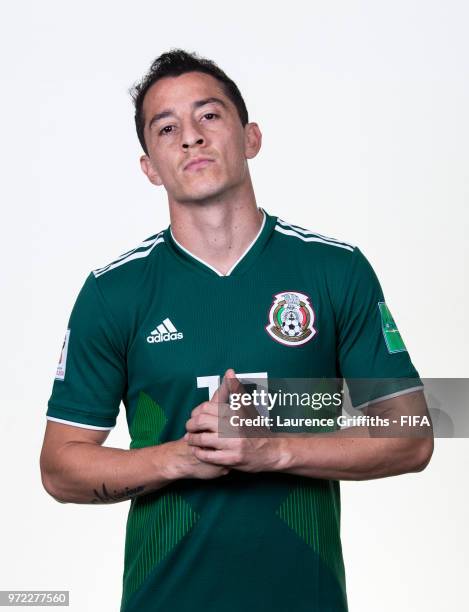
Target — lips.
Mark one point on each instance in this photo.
(198, 162)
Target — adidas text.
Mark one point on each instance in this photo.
(165, 337)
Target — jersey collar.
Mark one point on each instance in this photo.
(246, 259)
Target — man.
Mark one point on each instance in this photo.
(216, 522)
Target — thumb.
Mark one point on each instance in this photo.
(233, 383)
(229, 384)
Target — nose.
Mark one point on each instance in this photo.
(188, 142)
(191, 135)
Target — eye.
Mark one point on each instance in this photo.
(168, 129)
(210, 116)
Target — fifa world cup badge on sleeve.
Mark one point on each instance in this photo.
(291, 319)
(391, 334)
(60, 375)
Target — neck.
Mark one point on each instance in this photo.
(217, 232)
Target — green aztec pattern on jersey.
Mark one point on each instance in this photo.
(148, 423)
(155, 525)
(314, 515)
(155, 329)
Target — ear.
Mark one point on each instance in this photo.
(252, 140)
(149, 170)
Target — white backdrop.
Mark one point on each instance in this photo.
(363, 108)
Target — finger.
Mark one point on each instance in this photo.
(230, 384)
(205, 408)
(202, 422)
(217, 457)
(233, 382)
(221, 395)
(205, 440)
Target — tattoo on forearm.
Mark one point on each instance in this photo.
(104, 496)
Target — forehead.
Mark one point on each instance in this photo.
(179, 92)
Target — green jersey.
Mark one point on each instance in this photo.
(156, 329)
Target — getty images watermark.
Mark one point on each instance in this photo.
(385, 407)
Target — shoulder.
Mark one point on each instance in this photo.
(131, 262)
(123, 285)
(296, 238)
(338, 261)
(127, 279)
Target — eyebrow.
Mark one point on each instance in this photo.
(197, 104)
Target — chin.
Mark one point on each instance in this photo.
(203, 194)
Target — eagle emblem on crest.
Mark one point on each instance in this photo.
(291, 318)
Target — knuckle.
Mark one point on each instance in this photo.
(198, 452)
(237, 456)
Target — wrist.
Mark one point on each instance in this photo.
(165, 462)
(283, 454)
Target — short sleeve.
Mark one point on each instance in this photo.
(91, 376)
(372, 356)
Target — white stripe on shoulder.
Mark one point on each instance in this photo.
(150, 244)
(146, 242)
(302, 230)
(311, 238)
(49, 418)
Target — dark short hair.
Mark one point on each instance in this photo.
(174, 63)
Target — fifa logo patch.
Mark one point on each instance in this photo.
(60, 374)
(392, 336)
(291, 319)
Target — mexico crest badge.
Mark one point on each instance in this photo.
(291, 318)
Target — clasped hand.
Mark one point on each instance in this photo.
(213, 439)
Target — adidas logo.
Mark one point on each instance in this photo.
(164, 332)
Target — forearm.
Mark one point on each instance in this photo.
(338, 456)
(82, 472)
